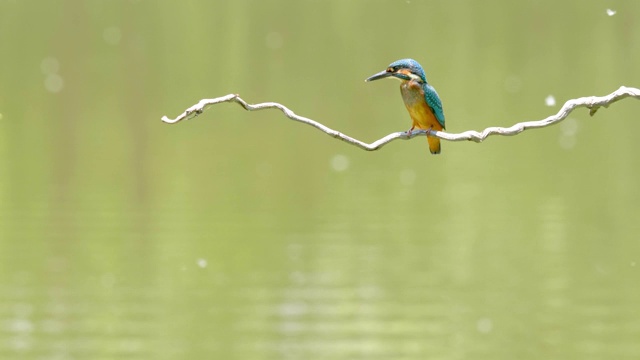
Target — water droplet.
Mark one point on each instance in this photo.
(20, 326)
(49, 65)
(484, 325)
(611, 12)
(568, 131)
(53, 83)
(567, 142)
(339, 163)
(550, 100)
(569, 127)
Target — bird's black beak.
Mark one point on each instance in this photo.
(380, 75)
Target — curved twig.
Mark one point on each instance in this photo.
(591, 102)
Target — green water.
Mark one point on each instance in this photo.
(242, 235)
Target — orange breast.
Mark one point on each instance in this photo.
(422, 116)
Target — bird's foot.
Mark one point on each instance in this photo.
(409, 131)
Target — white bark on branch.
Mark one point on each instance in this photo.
(593, 103)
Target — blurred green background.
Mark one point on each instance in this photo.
(241, 235)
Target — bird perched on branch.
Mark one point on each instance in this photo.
(420, 98)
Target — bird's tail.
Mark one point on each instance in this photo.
(434, 144)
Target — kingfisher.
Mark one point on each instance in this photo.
(420, 98)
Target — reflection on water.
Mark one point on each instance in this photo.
(59, 324)
(333, 295)
(241, 235)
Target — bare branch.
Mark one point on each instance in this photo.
(593, 103)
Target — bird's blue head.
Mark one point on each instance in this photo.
(405, 70)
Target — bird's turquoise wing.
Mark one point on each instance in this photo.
(432, 98)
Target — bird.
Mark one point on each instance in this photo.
(420, 98)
